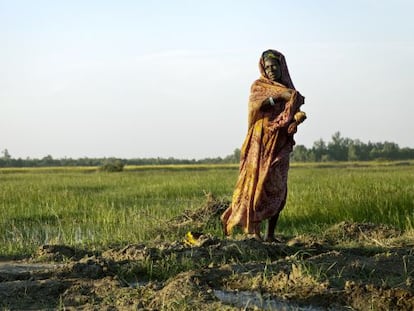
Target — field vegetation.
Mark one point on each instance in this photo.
(82, 206)
(344, 225)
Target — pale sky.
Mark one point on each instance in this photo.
(137, 79)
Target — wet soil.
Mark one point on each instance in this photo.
(352, 266)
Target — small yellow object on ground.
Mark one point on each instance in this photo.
(191, 240)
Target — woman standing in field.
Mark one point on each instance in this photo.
(273, 117)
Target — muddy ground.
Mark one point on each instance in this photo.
(352, 266)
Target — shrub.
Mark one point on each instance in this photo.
(113, 165)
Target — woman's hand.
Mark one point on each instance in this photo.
(293, 128)
(282, 98)
(286, 95)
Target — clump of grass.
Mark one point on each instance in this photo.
(205, 218)
(160, 269)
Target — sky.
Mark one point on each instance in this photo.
(138, 79)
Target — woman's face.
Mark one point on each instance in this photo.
(272, 69)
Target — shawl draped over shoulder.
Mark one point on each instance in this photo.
(261, 187)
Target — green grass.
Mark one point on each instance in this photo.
(79, 206)
(98, 209)
(319, 197)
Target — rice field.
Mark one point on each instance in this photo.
(84, 207)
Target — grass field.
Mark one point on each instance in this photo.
(83, 207)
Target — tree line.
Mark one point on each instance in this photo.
(6, 160)
(338, 149)
(346, 149)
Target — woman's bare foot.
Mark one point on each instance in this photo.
(255, 236)
(258, 237)
(272, 239)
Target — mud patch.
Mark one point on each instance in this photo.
(351, 266)
(369, 297)
(256, 300)
(21, 270)
(26, 284)
(59, 253)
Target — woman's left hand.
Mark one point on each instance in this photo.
(293, 128)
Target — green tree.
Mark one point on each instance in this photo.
(319, 149)
(338, 147)
(6, 159)
(6, 155)
(300, 154)
(390, 151)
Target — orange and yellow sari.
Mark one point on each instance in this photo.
(261, 187)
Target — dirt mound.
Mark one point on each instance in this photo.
(209, 250)
(298, 273)
(361, 232)
(184, 289)
(24, 294)
(59, 253)
(369, 297)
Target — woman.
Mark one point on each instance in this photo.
(274, 114)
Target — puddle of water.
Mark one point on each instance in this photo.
(21, 267)
(252, 299)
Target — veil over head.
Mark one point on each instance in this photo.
(273, 54)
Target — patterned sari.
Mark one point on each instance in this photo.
(261, 188)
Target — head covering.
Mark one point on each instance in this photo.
(273, 54)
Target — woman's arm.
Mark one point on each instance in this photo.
(277, 99)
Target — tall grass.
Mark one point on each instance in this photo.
(97, 210)
(319, 197)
